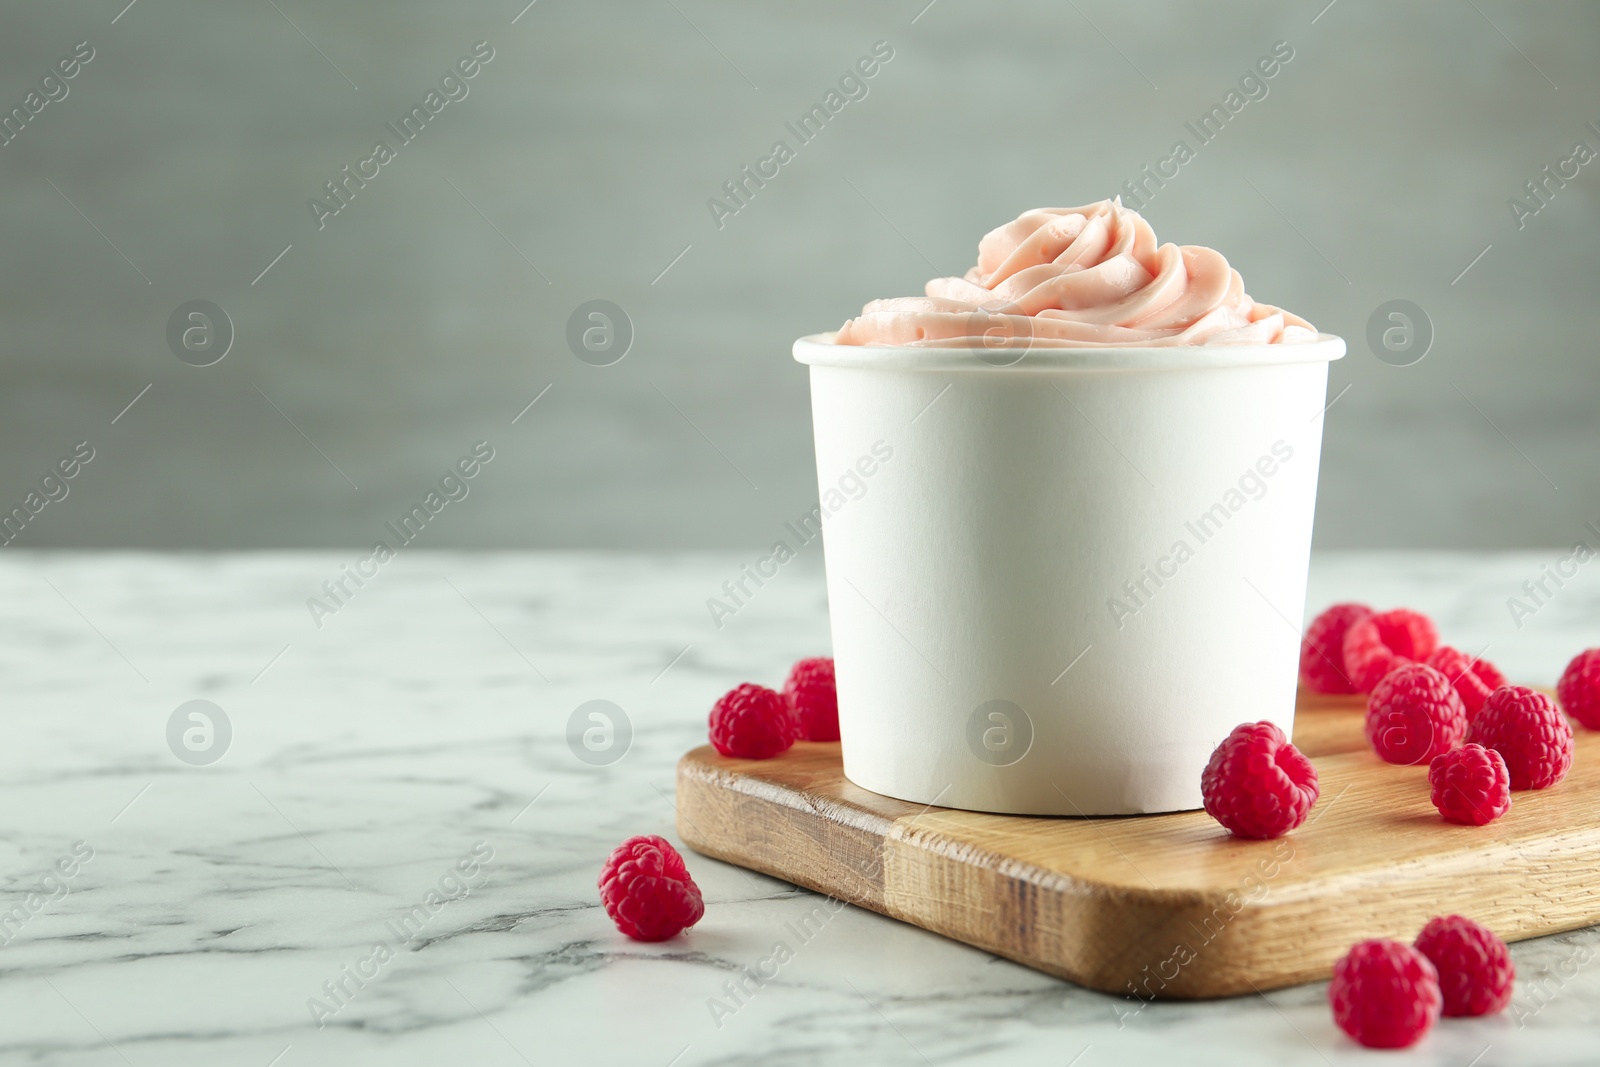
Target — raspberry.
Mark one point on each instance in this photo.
(1257, 784)
(1385, 994)
(1579, 688)
(1529, 731)
(1377, 644)
(752, 722)
(1474, 679)
(1470, 785)
(647, 890)
(1488, 673)
(1322, 649)
(1413, 715)
(1475, 969)
(815, 701)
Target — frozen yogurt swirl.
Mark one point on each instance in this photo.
(1081, 277)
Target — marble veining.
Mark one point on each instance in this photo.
(421, 732)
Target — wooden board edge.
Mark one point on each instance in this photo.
(734, 817)
(1145, 946)
(1102, 937)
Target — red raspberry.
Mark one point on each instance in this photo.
(1377, 644)
(1385, 994)
(647, 890)
(1413, 715)
(1470, 785)
(814, 699)
(1528, 730)
(1322, 649)
(1475, 969)
(1579, 688)
(1488, 673)
(752, 722)
(1258, 784)
(1470, 677)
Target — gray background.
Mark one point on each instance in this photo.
(1381, 161)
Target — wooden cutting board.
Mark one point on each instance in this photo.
(1164, 906)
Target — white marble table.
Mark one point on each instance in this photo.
(424, 726)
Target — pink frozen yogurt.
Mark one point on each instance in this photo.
(1081, 277)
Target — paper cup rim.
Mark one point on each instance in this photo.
(819, 350)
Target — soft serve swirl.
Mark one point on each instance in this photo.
(1081, 277)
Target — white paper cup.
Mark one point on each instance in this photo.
(1015, 625)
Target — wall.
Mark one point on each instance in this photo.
(427, 313)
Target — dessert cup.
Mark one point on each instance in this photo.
(1077, 570)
